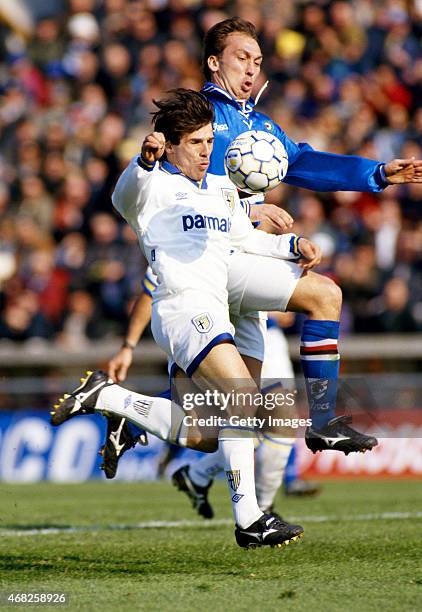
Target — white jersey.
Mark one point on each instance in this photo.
(187, 229)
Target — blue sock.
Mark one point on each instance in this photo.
(290, 471)
(320, 363)
(137, 431)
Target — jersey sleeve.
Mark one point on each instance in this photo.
(129, 194)
(320, 171)
(250, 240)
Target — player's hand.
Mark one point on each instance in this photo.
(278, 218)
(404, 171)
(153, 147)
(119, 364)
(311, 254)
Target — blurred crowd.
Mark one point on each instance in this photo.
(77, 79)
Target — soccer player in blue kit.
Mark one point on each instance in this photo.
(231, 62)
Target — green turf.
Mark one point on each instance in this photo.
(340, 564)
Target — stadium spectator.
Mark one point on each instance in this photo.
(81, 323)
(21, 318)
(390, 312)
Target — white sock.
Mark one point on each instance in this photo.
(159, 416)
(205, 469)
(270, 462)
(238, 459)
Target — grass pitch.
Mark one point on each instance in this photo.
(361, 550)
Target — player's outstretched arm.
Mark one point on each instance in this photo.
(322, 171)
(400, 171)
(286, 246)
(119, 365)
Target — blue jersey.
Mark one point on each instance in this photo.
(315, 170)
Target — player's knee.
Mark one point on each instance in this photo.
(335, 295)
(327, 299)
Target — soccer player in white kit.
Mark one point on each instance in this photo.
(232, 60)
(186, 223)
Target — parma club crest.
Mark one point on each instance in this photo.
(203, 322)
(233, 477)
(228, 195)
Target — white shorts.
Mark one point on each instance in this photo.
(188, 326)
(250, 333)
(258, 285)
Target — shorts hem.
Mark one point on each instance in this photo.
(201, 356)
(285, 303)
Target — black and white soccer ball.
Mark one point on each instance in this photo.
(256, 161)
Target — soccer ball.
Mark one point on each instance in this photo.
(256, 161)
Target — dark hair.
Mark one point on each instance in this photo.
(182, 112)
(215, 38)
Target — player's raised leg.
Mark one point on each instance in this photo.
(157, 415)
(320, 298)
